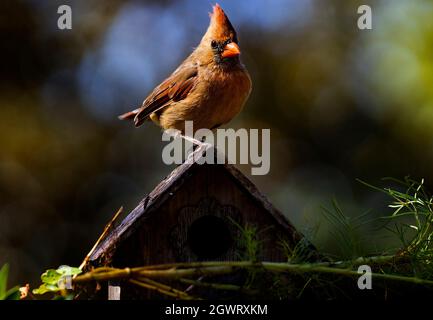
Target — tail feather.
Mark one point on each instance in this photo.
(129, 115)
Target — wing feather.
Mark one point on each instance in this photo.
(173, 89)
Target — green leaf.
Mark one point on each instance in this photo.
(12, 294)
(44, 288)
(68, 271)
(41, 290)
(3, 279)
(51, 277)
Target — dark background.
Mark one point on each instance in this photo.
(341, 104)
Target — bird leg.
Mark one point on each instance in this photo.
(191, 139)
(178, 134)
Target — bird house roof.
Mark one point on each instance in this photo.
(170, 185)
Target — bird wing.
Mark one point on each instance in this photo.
(173, 89)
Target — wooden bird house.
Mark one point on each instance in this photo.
(197, 214)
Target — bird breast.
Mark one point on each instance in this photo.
(217, 97)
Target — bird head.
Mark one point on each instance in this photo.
(220, 39)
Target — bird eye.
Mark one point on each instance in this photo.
(214, 44)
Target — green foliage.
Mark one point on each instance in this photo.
(346, 231)
(248, 241)
(412, 222)
(5, 294)
(301, 252)
(55, 280)
(250, 249)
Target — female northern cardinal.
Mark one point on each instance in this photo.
(209, 88)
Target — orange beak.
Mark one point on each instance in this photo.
(231, 50)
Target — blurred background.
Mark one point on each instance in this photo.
(341, 103)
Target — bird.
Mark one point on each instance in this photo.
(209, 88)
